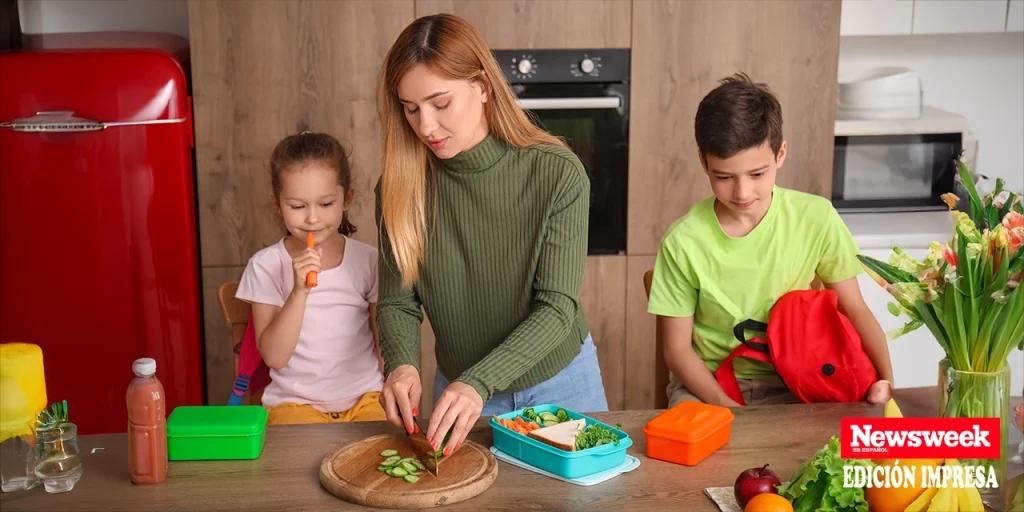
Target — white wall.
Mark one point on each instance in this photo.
(980, 76)
(47, 16)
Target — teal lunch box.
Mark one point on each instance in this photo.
(216, 432)
(563, 463)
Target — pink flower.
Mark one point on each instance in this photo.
(1014, 224)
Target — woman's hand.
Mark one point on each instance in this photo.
(307, 261)
(457, 409)
(401, 396)
(879, 392)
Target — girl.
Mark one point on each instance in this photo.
(319, 341)
(483, 222)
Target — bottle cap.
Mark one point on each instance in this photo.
(144, 367)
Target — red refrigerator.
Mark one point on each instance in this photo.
(98, 251)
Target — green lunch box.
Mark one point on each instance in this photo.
(216, 432)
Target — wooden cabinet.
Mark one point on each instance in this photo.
(604, 303)
(680, 51)
(876, 17)
(263, 70)
(514, 24)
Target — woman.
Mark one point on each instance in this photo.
(483, 222)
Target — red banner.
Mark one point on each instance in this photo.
(919, 438)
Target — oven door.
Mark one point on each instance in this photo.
(593, 120)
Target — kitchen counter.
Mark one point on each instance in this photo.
(882, 230)
(285, 476)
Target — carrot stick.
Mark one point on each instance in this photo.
(311, 280)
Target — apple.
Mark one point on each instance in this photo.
(755, 481)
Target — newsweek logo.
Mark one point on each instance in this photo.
(919, 438)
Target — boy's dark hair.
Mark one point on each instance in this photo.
(318, 147)
(738, 114)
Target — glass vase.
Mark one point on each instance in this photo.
(58, 464)
(964, 394)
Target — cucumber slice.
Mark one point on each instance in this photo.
(398, 471)
(408, 466)
(383, 469)
(411, 478)
(388, 453)
(547, 416)
(391, 461)
(548, 423)
(418, 464)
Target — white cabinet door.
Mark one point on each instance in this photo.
(876, 17)
(1015, 16)
(915, 356)
(959, 16)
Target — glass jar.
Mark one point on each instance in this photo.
(58, 464)
(17, 463)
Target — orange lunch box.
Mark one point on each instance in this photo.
(688, 433)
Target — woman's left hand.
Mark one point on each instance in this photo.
(457, 409)
(879, 392)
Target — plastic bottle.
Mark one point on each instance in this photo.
(147, 424)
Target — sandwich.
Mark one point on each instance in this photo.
(561, 436)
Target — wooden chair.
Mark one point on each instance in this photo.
(236, 313)
(660, 368)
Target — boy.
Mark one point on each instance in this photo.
(735, 253)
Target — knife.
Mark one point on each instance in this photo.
(421, 447)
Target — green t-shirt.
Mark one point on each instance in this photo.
(721, 280)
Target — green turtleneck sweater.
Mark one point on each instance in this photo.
(505, 254)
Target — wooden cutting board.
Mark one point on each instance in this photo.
(350, 473)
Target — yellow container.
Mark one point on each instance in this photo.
(22, 388)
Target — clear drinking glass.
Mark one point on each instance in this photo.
(17, 463)
(58, 464)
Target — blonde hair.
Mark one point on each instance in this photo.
(452, 47)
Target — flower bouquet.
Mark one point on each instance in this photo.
(967, 293)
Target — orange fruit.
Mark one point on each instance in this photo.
(896, 499)
(768, 502)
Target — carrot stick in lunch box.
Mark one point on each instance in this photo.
(311, 280)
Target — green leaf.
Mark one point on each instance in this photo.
(973, 199)
(886, 271)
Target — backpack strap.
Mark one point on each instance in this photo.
(755, 349)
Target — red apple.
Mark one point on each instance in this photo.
(755, 481)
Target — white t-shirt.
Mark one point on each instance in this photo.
(334, 362)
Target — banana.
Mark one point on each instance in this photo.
(892, 410)
(945, 500)
(921, 503)
(969, 499)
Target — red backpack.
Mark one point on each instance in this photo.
(813, 347)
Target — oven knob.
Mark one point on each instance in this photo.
(524, 66)
(587, 66)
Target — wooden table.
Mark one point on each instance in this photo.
(285, 476)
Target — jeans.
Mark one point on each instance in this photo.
(578, 387)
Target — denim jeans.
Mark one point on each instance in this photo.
(578, 387)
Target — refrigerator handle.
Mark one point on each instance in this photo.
(62, 121)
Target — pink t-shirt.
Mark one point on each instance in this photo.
(334, 362)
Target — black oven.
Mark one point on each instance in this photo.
(583, 97)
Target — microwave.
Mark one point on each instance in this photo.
(899, 164)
